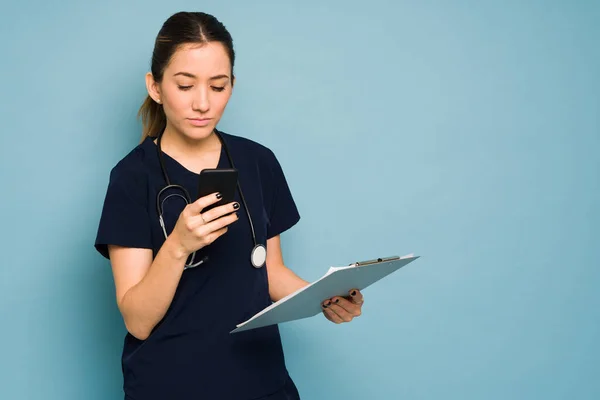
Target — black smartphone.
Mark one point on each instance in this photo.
(221, 180)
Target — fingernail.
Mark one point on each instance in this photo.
(324, 305)
(353, 293)
(236, 206)
(337, 300)
(328, 303)
(219, 195)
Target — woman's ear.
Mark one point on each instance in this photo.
(153, 88)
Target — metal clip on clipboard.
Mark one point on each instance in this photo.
(374, 261)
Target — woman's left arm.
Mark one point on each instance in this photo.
(283, 281)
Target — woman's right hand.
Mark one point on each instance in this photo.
(195, 230)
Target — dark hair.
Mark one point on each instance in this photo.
(180, 29)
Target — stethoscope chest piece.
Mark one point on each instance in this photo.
(258, 257)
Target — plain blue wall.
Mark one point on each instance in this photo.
(467, 132)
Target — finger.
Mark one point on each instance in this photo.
(340, 312)
(351, 308)
(332, 316)
(356, 296)
(194, 221)
(347, 305)
(220, 211)
(212, 236)
(206, 229)
(196, 207)
(192, 224)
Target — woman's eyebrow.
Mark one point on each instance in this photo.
(183, 73)
(212, 78)
(190, 75)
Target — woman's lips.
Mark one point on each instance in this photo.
(199, 121)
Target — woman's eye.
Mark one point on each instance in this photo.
(218, 88)
(184, 87)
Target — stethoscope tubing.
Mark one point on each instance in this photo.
(187, 197)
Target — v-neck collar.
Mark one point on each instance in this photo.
(170, 162)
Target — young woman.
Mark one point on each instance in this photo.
(185, 277)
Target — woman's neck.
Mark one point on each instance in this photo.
(195, 155)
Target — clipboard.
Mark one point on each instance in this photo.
(306, 302)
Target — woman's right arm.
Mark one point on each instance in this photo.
(145, 287)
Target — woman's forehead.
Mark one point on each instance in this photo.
(201, 60)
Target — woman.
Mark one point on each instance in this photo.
(178, 319)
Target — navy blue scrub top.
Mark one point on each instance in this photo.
(191, 354)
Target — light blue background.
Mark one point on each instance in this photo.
(467, 132)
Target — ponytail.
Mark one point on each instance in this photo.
(153, 117)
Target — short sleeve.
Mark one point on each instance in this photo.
(282, 213)
(124, 220)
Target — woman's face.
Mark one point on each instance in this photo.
(195, 89)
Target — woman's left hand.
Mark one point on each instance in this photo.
(343, 309)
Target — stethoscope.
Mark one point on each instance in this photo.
(258, 256)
